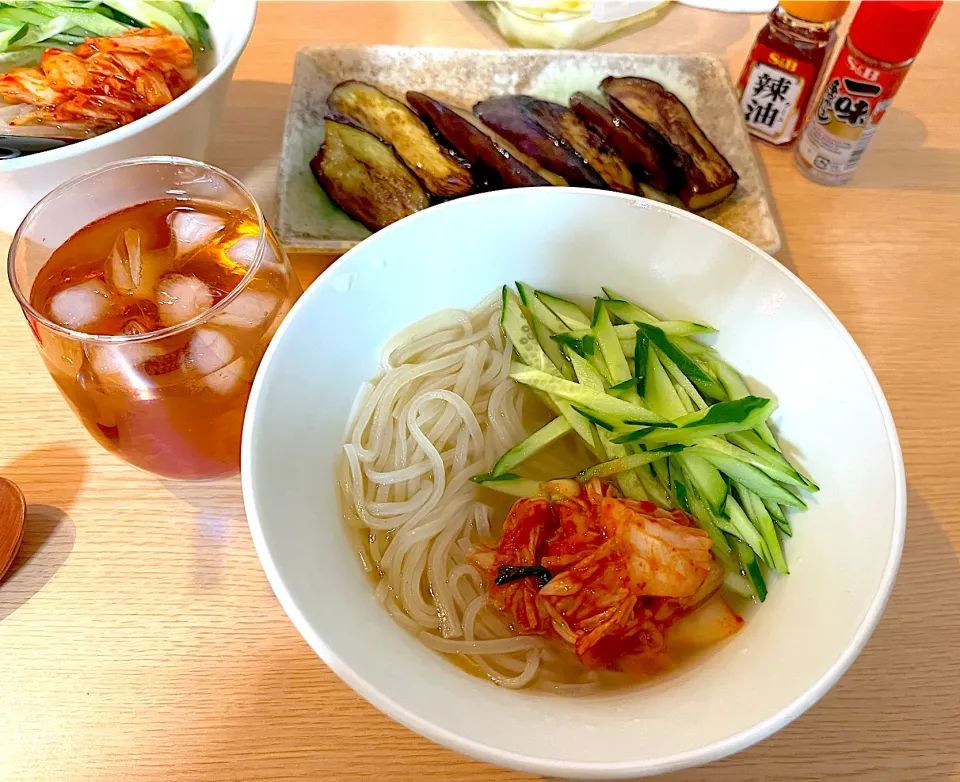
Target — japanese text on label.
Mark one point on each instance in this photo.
(768, 97)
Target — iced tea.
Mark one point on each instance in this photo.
(185, 296)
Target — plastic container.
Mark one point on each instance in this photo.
(559, 25)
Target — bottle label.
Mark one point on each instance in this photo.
(854, 100)
(774, 92)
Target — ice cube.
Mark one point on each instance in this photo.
(193, 230)
(131, 270)
(248, 311)
(227, 379)
(243, 252)
(209, 351)
(81, 306)
(125, 267)
(180, 298)
(133, 327)
(122, 363)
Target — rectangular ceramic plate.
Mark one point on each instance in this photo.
(311, 222)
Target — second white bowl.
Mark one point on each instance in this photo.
(183, 128)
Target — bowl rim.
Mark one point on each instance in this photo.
(541, 765)
(244, 11)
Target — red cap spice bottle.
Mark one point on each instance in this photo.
(884, 39)
(781, 74)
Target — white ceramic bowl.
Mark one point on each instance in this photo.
(183, 128)
(844, 554)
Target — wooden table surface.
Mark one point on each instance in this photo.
(140, 640)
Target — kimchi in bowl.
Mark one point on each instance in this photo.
(832, 419)
(183, 128)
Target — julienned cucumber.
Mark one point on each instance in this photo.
(510, 484)
(751, 441)
(670, 421)
(594, 401)
(718, 419)
(567, 311)
(630, 313)
(535, 443)
(687, 365)
(521, 335)
(636, 312)
(539, 310)
(610, 347)
(736, 389)
(760, 519)
(623, 464)
(708, 480)
(749, 476)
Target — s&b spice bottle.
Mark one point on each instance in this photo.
(783, 69)
(884, 39)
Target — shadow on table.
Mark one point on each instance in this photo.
(894, 715)
(219, 515)
(48, 539)
(898, 159)
(50, 478)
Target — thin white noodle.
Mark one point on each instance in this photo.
(410, 589)
(387, 509)
(401, 617)
(449, 347)
(391, 477)
(498, 419)
(481, 520)
(439, 321)
(464, 571)
(489, 302)
(442, 409)
(524, 672)
(520, 643)
(379, 405)
(358, 404)
(376, 542)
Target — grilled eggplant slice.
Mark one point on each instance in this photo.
(648, 156)
(364, 176)
(477, 144)
(441, 174)
(708, 176)
(601, 157)
(515, 118)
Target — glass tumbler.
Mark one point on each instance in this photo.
(170, 400)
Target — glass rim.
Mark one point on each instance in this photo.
(170, 331)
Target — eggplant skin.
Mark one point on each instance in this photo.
(708, 176)
(441, 174)
(364, 176)
(590, 145)
(510, 150)
(476, 144)
(648, 156)
(536, 134)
